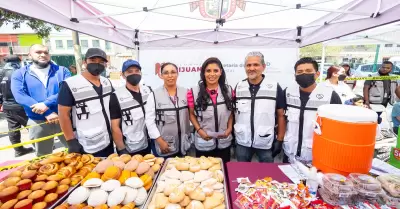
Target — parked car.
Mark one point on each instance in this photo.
(367, 70)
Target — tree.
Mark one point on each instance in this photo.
(315, 50)
(42, 29)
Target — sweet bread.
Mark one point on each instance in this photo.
(9, 204)
(24, 194)
(37, 196)
(125, 158)
(33, 166)
(52, 159)
(70, 157)
(40, 205)
(11, 181)
(49, 169)
(15, 174)
(23, 204)
(24, 184)
(185, 202)
(8, 193)
(37, 185)
(59, 154)
(103, 165)
(66, 172)
(50, 187)
(142, 168)
(51, 198)
(41, 177)
(112, 156)
(138, 158)
(55, 177)
(195, 204)
(29, 174)
(87, 159)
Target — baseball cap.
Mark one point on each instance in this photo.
(95, 52)
(130, 63)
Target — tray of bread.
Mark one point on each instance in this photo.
(118, 182)
(40, 185)
(190, 183)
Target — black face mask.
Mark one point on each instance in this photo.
(134, 79)
(305, 80)
(95, 68)
(342, 77)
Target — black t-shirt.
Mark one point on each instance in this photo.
(115, 109)
(280, 96)
(66, 98)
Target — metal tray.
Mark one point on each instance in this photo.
(153, 191)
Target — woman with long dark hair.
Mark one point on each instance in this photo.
(211, 111)
(347, 69)
(335, 79)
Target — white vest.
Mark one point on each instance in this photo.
(321, 95)
(133, 119)
(172, 121)
(213, 119)
(254, 127)
(88, 119)
(377, 92)
(342, 89)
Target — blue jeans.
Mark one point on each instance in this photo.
(245, 154)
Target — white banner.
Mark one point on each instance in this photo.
(279, 64)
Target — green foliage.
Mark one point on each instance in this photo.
(315, 50)
(41, 28)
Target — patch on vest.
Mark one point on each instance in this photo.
(74, 89)
(82, 111)
(319, 96)
(184, 102)
(105, 82)
(269, 86)
(159, 104)
(127, 117)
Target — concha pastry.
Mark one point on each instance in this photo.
(95, 182)
(159, 160)
(173, 206)
(189, 187)
(198, 194)
(141, 196)
(185, 201)
(160, 186)
(110, 185)
(182, 166)
(194, 168)
(215, 167)
(126, 158)
(131, 165)
(97, 197)
(218, 186)
(156, 167)
(176, 196)
(186, 176)
(205, 164)
(218, 175)
(169, 188)
(134, 182)
(195, 204)
(161, 200)
(120, 164)
(208, 190)
(215, 200)
(173, 174)
(103, 165)
(131, 195)
(202, 176)
(78, 196)
(142, 168)
(149, 156)
(209, 182)
(116, 196)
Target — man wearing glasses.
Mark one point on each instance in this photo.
(84, 108)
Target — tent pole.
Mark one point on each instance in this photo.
(322, 62)
(77, 52)
(376, 56)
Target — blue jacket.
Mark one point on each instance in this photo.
(29, 90)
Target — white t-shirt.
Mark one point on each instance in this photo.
(41, 73)
(344, 91)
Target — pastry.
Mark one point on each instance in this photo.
(50, 187)
(149, 156)
(161, 200)
(24, 204)
(209, 182)
(78, 206)
(213, 201)
(91, 175)
(205, 164)
(15, 174)
(59, 154)
(67, 171)
(37, 185)
(48, 169)
(208, 190)
(160, 186)
(185, 201)
(9, 204)
(11, 181)
(142, 168)
(139, 158)
(218, 175)
(141, 196)
(125, 158)
(202, 175)
(33, 166)
(51, 198)
(159, 160)
(88, 207)
(8, 193)
(112, 156)
(62, 190)
(103, 206)
(131, 165)
(52, 159)
(173, 174)
(92, 183)
(66, 181)
(116, 207)
(131, 195)
(186, 176)
(222, 206)
(176, 196)
(78, 196)
(24, 194)
(37, 196)
(182, 166)
(391, 183)
(24, 184)
(218, 186)
(169, 188)
(110, 185)
(215, 167)
(124, 176)
(55, 178)
(172, 206)
(111, 172)
(71, 157)
(130, 205)
(189, 187)
(134, 182)
(116, 197)
(40, 205)
(120, 164)
(194, 168)
(97, 160)
(41, 177)
(78, 165)
(156, 167)
(194, 204)
(97, 197)
(150, 172)
(62, 206)
(87, 159)
(198, 194)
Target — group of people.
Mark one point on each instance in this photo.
(256, 115)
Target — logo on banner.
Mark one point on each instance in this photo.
(210, 8)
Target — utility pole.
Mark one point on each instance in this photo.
(77, 52)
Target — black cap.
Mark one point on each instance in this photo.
(12, 58)
(96, 52)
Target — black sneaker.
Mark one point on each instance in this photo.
(23, 151)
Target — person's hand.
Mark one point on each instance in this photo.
(163, 145)
(203, 135)
(74, 146)
(52, 118)
(366, 104)
(39, 108)
(123, 151)
(226, 134)
(277, 147)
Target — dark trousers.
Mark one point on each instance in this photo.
(142, 152)
(15, 119)
(153, 149)
(105, 152)
(224, 154)
(396, 130)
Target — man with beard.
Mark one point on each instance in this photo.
(84, 106)
(127, 112)
(35, 87)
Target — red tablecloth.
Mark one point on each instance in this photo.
(252, 170)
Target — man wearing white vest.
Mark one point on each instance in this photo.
(302, 102)
(127, 112)
(259, 107)
(83, 105)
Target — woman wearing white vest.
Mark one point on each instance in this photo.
(259, 107)
(211, 111)
(83, 106)
(167, 116)
(302, 102)
(335, 79)
(127, 112)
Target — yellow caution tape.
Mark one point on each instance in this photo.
(25, 127)
(31, 141)
(16, 165)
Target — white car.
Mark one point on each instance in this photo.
(367, 70)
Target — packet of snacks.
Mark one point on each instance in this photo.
(243, 202)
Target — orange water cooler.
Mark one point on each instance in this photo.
(344, 139)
